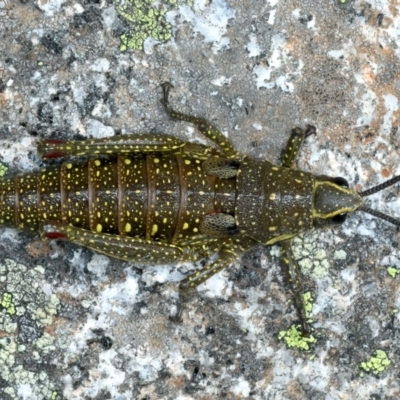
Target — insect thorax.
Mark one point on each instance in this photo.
(273, 203)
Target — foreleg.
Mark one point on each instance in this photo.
(294, 144)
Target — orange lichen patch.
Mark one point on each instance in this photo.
(177, 382)
(386, 22)
(372, 52)
(38, 248)
(381, 147)
(358, 187)
(393, 7)
(376, 124)
(386, 172)
(338, 135)
(51, 329)
(375, 19)
(385, 89)
(381, 109)
(367, 137)
(3, 99)
(21, 14)
(396, 118)
(65, 298)
(294, 42)
(368, 75)
(295, 390)
(230, 394)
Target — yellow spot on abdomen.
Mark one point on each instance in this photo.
(185, 225)
(128, 227)
(154, 229)
(99, 228)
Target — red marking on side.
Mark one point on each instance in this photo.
(48, 148)
(55, 235)
(54, 154)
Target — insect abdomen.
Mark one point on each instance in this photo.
(27, 199)
(162, 197)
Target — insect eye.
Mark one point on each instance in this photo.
(341, 182)
(339, 219)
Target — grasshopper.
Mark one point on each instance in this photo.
(155, 198)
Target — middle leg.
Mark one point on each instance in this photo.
(201, 124)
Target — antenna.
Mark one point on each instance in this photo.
(380, 187)
(377, 189)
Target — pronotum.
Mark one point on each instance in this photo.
(153, 198)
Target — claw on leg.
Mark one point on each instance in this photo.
(184, 296)
(310, 130)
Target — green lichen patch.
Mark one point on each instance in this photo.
(393, 272)
(308, 303)
(3, 169)
(293, 338)
(376, 364)
(145, 20)
(312, 260)
(22, 291)
(23, 299)
(339, 255)
(45, 343)
(275, 251)
(7, 303)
